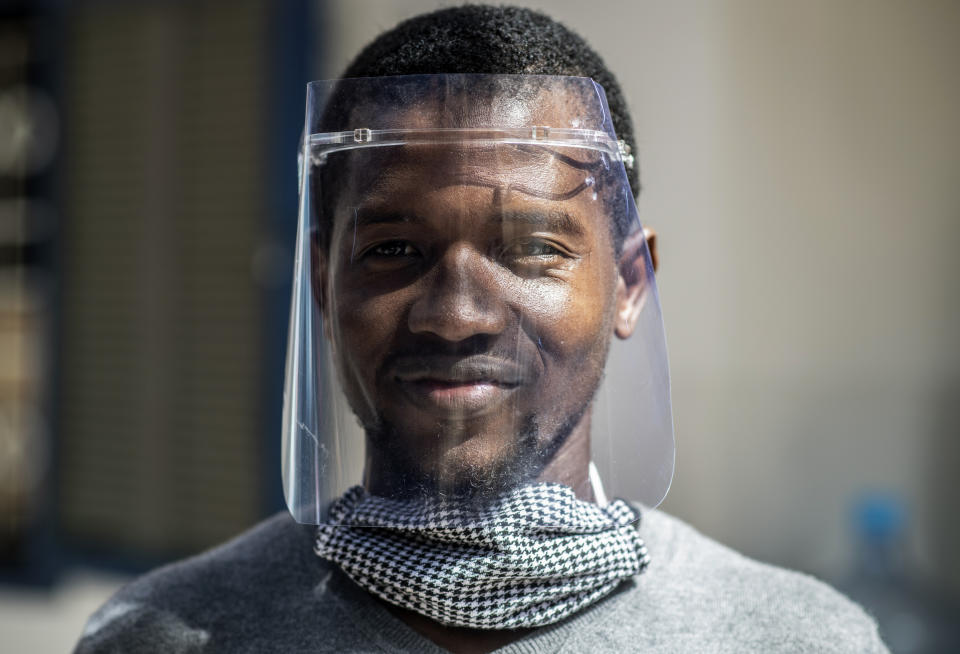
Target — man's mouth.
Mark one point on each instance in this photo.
(463, 386)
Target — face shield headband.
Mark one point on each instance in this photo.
(474, 309)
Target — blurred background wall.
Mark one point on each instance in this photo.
(800, 162)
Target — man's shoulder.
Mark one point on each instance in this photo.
(699, 585)
(180, 606)
(264, 550)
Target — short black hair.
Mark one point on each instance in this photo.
(493, 40)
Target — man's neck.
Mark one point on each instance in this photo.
(570, 464)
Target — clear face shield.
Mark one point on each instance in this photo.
(474, 308)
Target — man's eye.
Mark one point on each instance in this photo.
(532, 248)
(392, 249)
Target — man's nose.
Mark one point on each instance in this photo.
(460, 297)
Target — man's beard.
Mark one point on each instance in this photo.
(407, 476)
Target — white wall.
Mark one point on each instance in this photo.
(800, 162)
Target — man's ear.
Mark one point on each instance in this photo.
(318, 281)
(632, 282)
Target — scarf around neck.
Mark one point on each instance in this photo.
(531, 558)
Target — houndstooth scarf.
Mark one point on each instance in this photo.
(534, 557)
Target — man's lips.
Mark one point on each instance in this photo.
(458, 369)
(457, 384)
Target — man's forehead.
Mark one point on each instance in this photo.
(439, 164)
(461, 108)
(477, 178)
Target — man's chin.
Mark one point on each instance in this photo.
(479, 474)
(460, 465)
(479, 461)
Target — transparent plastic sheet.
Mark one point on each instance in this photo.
(474, 308)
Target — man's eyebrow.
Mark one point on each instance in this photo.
(555, 220)
(366, 217)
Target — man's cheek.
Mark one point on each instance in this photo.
(364, 313)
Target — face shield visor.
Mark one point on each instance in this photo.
(474, 307)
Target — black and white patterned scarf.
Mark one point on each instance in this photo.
(532, 558)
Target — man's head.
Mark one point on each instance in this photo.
(470, 290)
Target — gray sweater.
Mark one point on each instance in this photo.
(266, 591)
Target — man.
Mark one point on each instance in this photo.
(468, 261)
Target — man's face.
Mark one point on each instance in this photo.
(469, 297)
